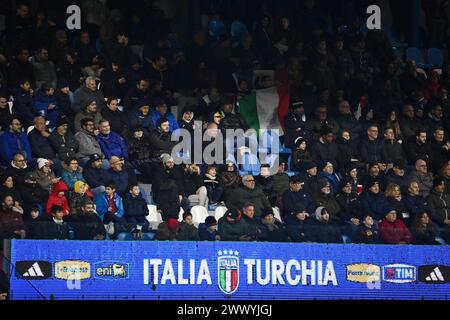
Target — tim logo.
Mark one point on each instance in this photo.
(399, 273)
(228, 271)
(106, 270)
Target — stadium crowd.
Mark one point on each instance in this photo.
(85, 118)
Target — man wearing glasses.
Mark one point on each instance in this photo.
(17, 169)
(249, 193)
(14, 141)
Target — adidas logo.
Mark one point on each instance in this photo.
(434, 274)
(34, 270)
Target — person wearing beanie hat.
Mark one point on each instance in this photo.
(45, 177)
(231, 227)
(350, 204)
(334, 178)
(295, 123)
(301, 155)
(324, 198)
(168, 230)
(295, 196)
(393, 230)
(231, 120)
(141, 115)
(298, 224)
(273, 230)
(325, 230)
(438, 201)
(373, 200)
(375, 173)
(208, 231)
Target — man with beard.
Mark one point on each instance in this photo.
(86, 223)
(11, 223)
(63, 141)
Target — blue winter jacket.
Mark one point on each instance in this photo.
(41, 103)
(113, 145)
(102, 205)
(376, 204)
(136, 209)
(12, 143)
(173, 124)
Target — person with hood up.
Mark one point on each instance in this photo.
(58, 198)
(208, 231)
(324, 230)
(80, 193)
(298, 224)
(374, 201)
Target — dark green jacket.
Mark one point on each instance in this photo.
(232, 231)
(240, 196)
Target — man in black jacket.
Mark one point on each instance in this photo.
(160, 139)
(117, 119)
(370, 148)
(62, 141)
(440, 150)
(419, 148)
(138, 93)
(294, 196)
(326, 149)
(232, 120)
(87, 223)
(95, 175)
(391, 149)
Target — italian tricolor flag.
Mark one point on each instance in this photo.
(266, 108)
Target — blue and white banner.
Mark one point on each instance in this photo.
(226, 270)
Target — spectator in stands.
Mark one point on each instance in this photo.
(333, 178)
(85, 95)
(419, 148)
(23, 104)
(89, 111)
(370, 147)
(351, 208)
(36, 224)
(310, 177)
(62, 140)
(110, 209)
(374, 201)
(298, 224)
(5, 112)
(11, 223)
(397, 174)
(135, 207)
(63, 97)
(254, 227)
(117, 119)
(295, 195)
(423, 230)
(114, 80)
(57, 228)
(95, 175)
(14, 141)
(45, 104)
(167, 191)
(423, 178)
(326, 149)
(347, 154)
(434, 119)
(439, 202)
(295, 123)
(300, 155)
(392, 150)
(367, 232)
(445, 175)
(232, 227)
(414, 202)
(376, 172)
(160, 112)
(121, 177)
(7, 187)
(249, 193)
(87, 55)
(229, 178)
(193, 186)
(32, 193)
(44, 175)
(40, 142)
(58, 197)
(348, 122)
(409, 123)
(80, 194)
(188, 232)
(393, 123)
(87, 224)
(265, 181)
(111, 143)
(280, 182)
(324, 229)
(321, 120)
(20, 68)
(208, 231)
(231, 120)
(138, 93)
(393, 230)
(273, 230)
(141, 116)
(43, 69)
(394, 196)
(160, 139)
(168, 230)
(88, 144)
(440, 150)
(324, 198)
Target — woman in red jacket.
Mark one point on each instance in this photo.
(58, 198)
(393, 230)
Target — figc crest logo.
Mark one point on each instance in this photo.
(228, 271)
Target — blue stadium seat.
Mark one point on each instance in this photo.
(414, 54)
(435, 57)
(216, 28)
